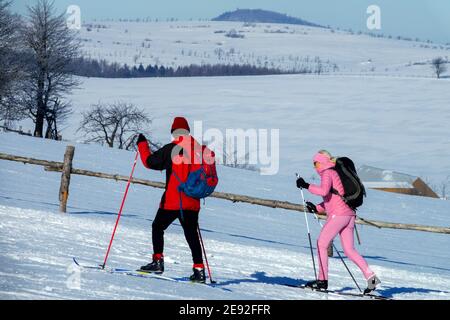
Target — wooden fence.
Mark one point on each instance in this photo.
(16, 131)
(66, 169)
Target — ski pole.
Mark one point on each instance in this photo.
(346, 267)
(204, 253)
(120, 210)
(357, 235)
(309, 233)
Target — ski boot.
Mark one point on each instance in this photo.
(156, 266)
(317, 285)
(198, 275)
(372, 283)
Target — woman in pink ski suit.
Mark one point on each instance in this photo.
(340, 220)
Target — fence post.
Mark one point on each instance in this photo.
(65, 178)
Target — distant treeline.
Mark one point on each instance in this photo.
(103, 69)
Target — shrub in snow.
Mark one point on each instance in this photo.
(439, 66)
(234, 34)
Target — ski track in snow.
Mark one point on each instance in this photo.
(38, 247)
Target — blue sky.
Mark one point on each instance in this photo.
(426, 19)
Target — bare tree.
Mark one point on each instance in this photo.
(444, 185)
(57, 113)
(319, 65)
(231, 160)
(8, 29)
(52, 47)
(10, 67)
(115, 124)
(439, 67)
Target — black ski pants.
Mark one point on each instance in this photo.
(164, 219)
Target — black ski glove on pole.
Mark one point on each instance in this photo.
(302, 184)
(141, 138)
(311, 207)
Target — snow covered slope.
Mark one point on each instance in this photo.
(381, 108)
(394, 123)
(252, 250)
(283, 46)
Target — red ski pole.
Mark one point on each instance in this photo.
(204, 253)
(120, 210)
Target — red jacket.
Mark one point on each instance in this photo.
(175, 159)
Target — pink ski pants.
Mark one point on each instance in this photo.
(344, 226)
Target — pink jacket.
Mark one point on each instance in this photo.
(332, 203)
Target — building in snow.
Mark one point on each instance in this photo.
(391, 181)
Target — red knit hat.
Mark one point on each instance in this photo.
(180, 123)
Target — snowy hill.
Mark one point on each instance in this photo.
(252, 250)
(261, 16)
(180, 43)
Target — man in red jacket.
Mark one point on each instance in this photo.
(175, 158)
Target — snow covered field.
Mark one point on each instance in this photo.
(392, 123)
(252, 250)
(180, 43)
(381, 113)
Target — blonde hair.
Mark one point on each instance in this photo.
(325, 152)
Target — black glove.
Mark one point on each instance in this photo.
(311, 207)
(302, 184)
(141, 138)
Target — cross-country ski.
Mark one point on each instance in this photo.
(135, 273)
(342, 293)
(130, 272)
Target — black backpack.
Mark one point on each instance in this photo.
(354, 191)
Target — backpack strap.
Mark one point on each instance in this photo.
(334, 191)
(179, 193)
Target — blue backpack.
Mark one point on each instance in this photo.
(201, 182)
